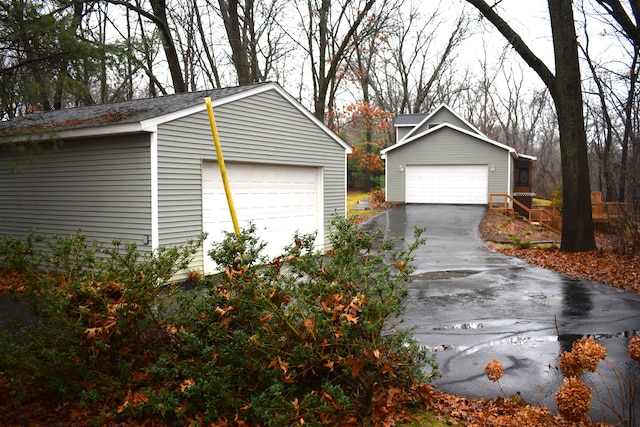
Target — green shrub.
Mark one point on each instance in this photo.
(519, 243)
(97, 317)
(556, 197)
(21, 254)
(305, 336)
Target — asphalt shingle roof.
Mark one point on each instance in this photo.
(409, 119)
(108, 114)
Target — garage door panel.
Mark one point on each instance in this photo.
(279, 200)
(447, 184)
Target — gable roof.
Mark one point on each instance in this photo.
(429, 132)
(429, 116)
(418, 120)
(138, 115)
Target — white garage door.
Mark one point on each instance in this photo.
(450, 184)
(279, 200)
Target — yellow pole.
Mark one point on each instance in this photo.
(223, 170)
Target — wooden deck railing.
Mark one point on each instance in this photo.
(549, 218)
(607, 211)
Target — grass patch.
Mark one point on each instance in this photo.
(360, 216)
(353, 197)
(541, 202)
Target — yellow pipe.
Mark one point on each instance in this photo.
(223, 170)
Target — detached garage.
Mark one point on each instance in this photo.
(441, 158)
(146, 170)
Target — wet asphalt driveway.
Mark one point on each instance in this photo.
(470, 305)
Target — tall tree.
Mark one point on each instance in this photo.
(158, 15)
(329, 31)
(414, 69)
(566, 91)
(229, 9)
(43, 52)
(624, 17)
(254, 36)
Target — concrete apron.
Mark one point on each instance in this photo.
(470, 305)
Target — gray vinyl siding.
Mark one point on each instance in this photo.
(263, 128)
(446, 147)
(101, 186)
(442, 116)
(401, 132)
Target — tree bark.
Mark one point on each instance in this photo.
(577, 224)
(239, 54)
(160, 12)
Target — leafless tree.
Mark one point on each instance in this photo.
(159, 16)
(328, 33)
(566, 91)
(417, 61)
(611, 93)
(254, 39)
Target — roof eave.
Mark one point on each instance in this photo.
(528, 157)
(85, 132)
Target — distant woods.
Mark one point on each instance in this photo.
(355, 64)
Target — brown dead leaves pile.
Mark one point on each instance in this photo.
(601, 265)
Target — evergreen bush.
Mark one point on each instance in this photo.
(305, 337)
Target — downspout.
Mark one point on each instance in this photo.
(509, 174)
(346, 181)
(155, 234)
(386, 177)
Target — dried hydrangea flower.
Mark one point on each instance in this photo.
(570, 365)
(494, 370)
(634, 348)
(573, 399)
(589, 353)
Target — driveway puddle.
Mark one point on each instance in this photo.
(460, 326)
(447, 274)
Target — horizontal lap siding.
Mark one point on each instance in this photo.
(442, 116)
(262, 128)
(446, 147)
(101, 186)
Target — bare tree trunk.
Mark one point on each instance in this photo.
(328, 61)
(231, 19)
(577, 224)
(159, 8)
(214, 77)
(628, 124)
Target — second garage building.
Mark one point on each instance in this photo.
(441, 158)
